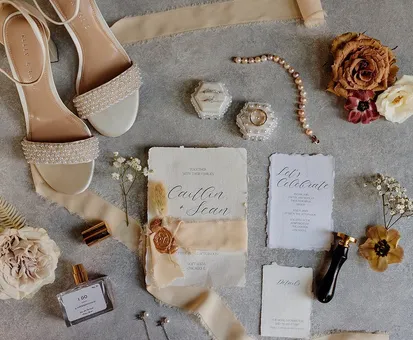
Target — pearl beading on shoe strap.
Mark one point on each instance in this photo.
(302, 95)
(82, 151)
(108, 94)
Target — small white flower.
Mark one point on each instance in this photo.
(145, 172)
(120, 160)
(378, 187)
(392, 212)
(115, 176)
(117, 165)
(116, 154)
(129, 177)
(380, 193)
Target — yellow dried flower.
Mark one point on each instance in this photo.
(381, 248)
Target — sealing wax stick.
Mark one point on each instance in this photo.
(327, 286)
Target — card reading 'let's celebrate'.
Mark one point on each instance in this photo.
(300, 202)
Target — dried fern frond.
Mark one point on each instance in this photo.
(158, 201)
(9, 217)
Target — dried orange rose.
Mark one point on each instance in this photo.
(361, 63)
(155, 225)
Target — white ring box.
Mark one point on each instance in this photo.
(256, 121)
(211, 100)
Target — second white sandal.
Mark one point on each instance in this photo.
(108, 82)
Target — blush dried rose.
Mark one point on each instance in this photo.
(361, 107)
(361, 63)
(28, 260)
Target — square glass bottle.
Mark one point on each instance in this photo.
(87, 300)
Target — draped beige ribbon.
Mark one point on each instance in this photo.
(139, 28)
(92, 207)
(212, 312)
(354, 336)
(229, 235)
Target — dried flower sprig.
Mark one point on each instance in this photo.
(126, 173)
(396, 203)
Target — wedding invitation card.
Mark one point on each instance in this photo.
(204, 185)
(286, 301)
(300, 202)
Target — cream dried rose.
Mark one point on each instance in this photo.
(28, 260)
(396, 103)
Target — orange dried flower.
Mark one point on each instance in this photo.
(361, 63)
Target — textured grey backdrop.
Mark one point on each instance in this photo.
(171, 67)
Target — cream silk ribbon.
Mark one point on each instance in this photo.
(92, 207)
(212, 312)
(163, 269)
(140, 28)
(354, 336)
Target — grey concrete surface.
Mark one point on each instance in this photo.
(171, 67)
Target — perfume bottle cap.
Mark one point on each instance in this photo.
(345, 240)
(95, 234)
(79, 274)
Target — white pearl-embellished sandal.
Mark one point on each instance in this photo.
(58, 144)
(108, 82)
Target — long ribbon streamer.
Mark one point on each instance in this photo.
(92, 207)
(212, 312)
(139, 28)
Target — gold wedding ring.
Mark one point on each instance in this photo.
(258, 117)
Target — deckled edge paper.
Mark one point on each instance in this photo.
(327, 243)
(354, 336)
(216, 273)
(286, 301)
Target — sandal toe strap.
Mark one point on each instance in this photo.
(82, 151)
(108, 94)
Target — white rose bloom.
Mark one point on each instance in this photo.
(396, 103)
(28, 260)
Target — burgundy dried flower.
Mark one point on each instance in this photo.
(361, 107)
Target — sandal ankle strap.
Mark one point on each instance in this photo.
(74, 16)
(33, 17)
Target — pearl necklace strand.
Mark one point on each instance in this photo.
(302, 95)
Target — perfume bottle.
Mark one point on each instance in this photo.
(87, 300)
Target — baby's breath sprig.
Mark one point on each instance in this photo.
(127, 170)
(396, 204)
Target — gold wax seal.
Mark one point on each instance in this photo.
(164, 241)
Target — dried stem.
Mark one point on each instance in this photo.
(401, 216)
(384, 211)
(124, 195)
